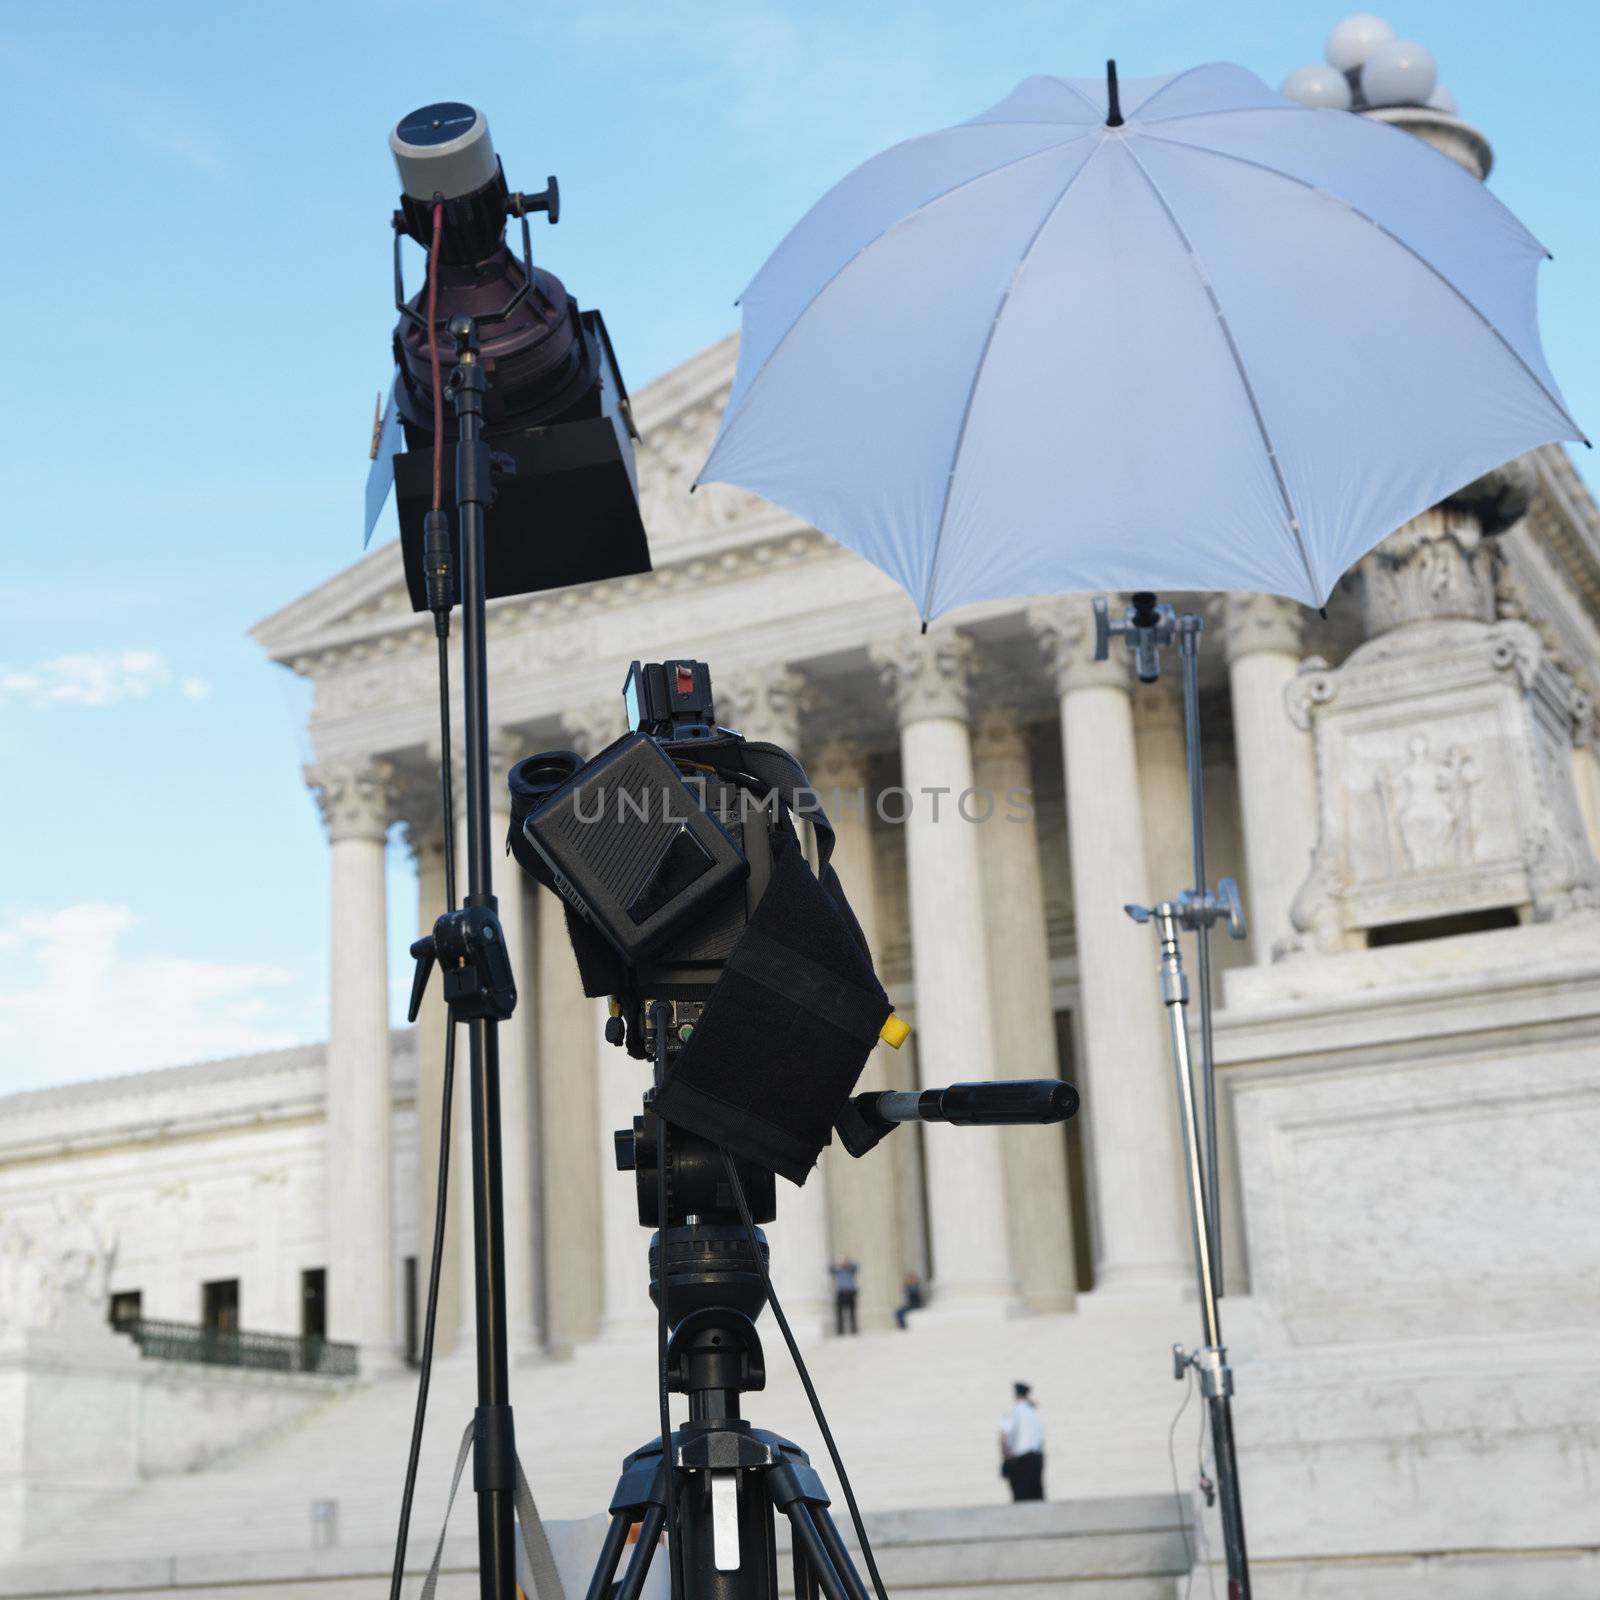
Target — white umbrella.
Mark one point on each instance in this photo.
(1228, 343)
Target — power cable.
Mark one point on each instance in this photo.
(800, 1367)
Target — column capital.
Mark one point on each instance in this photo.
(1262, 624)
(357, 798)
(1065, 631)
(927, 675)
(999, 733)
(764, 703)
(839, 762)
(592, 727)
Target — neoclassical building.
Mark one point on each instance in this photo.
(1408, 794)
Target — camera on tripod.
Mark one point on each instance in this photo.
(687, 888)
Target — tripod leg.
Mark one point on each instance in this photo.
(632, 1585)
(834, 1542)
(605, 1569)
(804, 1588)
(808, 1540)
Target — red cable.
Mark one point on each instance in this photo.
(433, 356)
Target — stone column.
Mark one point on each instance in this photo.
(1034, 1160)
(927, 677)
(357, 803)
(1129, 1089)
(615, 1295)
(765, 703)
(620, 1082)
(569, 1037)
(455, 1267)
(1162, 759)
(863, 1224)
(1277, 767)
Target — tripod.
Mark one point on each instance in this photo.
(726, 1479)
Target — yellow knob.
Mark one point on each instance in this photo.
(894, 1032)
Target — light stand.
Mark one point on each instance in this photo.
(469, 946)
(1146, 627)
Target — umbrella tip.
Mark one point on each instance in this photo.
(1322, 611)
(924, 627)
(1113, 103)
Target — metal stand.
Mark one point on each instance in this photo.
(469, 946)
(1146, 627)
(728, 1480)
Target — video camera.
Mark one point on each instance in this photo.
(685, 883)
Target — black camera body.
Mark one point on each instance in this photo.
(631, 848)
(685, 882)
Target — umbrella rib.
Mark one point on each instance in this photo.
(1177, 78)
(977, 377)
(1238, 365)
(1394, 238)
(844, 266)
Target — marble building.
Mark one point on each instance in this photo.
(1406, 789)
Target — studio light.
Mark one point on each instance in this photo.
(565, 506)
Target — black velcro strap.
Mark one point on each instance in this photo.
(853, 1011)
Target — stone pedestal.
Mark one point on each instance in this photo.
(1418, 1355)
(69, 1426)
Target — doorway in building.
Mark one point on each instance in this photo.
(313, 1316)
(219, 1321)
(126, 1307)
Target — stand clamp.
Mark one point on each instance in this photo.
(1216, 1376)
(1193, 911)
(470, 945)
(1145, 625)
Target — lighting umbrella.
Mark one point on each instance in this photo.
(1186, 335)
(1208, 338)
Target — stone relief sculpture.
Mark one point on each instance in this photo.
(56, 1279)
(1427, 806)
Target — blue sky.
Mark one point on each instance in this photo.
(196, 266)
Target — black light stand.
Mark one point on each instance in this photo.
(1146, 627)
(469, 946)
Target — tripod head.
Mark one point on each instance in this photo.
(709, 1258)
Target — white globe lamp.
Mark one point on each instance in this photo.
(1442, 100)
(1317, 86)
(1353, 39)
(1399, 73)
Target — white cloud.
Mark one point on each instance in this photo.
(97, 678)
(80, 999)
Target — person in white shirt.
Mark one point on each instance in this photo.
(1022, 1447)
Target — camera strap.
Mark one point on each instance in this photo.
(775, 772)
(537, 1573)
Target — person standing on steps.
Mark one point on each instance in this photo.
(1022, 1447)
(843, 1272)
(913, 1301)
